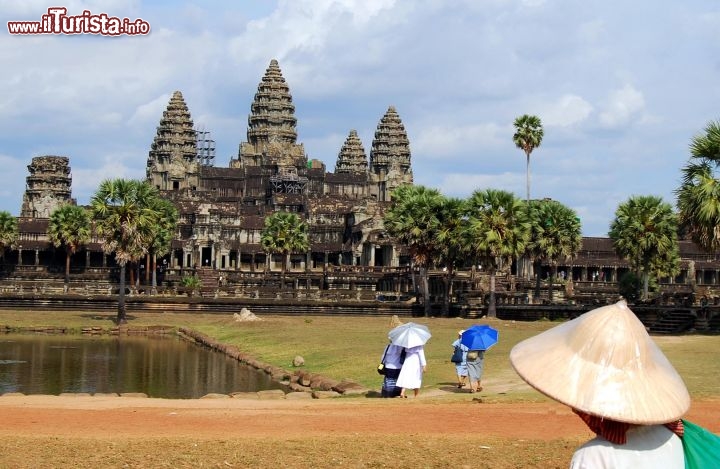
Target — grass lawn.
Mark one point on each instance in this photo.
(351, 347)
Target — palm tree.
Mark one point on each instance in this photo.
(528, 136)
(698, 198)
(413, 221)
(69, 226)
(497, 232)
(555, 236)
(449, 240)
(122, 210)
(163, 232)
(8, 232)
(644, 232)
(284, 233)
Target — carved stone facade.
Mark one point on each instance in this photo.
(222, 210)
(47, 187)
(172, 163)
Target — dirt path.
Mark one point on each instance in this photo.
(118, 417)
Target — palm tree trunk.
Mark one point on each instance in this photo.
(154, 273)
(492, 312)
(446, 296)
(527, 179)
(147, 269)
(646, 285)
(537, 267)
(121, 318)
(425, 290)
(67, 270)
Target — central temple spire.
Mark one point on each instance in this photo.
(272, 113)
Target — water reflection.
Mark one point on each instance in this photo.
(158, 366)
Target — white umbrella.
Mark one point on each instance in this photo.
(409, 335)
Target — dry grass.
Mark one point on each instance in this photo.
(360, 452)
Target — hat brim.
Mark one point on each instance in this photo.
(604, 363)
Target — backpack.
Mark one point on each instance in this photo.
(457, 356)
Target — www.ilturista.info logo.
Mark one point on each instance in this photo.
(57, 21)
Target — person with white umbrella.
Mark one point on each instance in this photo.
(413, 337)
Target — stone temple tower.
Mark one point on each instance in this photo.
(351, 158)
(172, 162)
(389, 156)
(48, 186)
(271, 133)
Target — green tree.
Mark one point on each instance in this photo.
(698, 198)
(497, 231)
(69, 226)
(413, 220)
(555, 236)
(528, 136)
(452, 251)
(124, 218)
(284, 233)
(8, 232)
(644, 232)
(162, 233)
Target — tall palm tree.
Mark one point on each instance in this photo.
(555, 236)
(528, 136)
(451, 250)
(413, 221)
(122, 210)
(8, 232)
(284, 233)
(69, 226)
(162, 234)
(698, 198)
(644, 232)
(497, 231)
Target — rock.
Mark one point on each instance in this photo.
(271, 394)
(395, 321)
(324, 394)
(298, 395)
(214, 395)
(298, 361)
(349, 388)
(245, 315)
(133, 394)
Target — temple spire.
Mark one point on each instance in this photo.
(272, 113)
(390, 147)
(351, 158)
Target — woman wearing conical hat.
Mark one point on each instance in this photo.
(605, 366)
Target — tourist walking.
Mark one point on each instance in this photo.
(393, 358)
(458, 359)
(412, 370)
(475, 362)
(605, 366)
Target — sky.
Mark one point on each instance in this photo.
(621, 88)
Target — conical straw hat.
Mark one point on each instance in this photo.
(604, 363)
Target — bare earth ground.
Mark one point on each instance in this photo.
(98, 431)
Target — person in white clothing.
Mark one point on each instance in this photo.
(412, 370)
(605, 366)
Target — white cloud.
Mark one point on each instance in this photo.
(150, 112)
(567, 111)
(622, 107)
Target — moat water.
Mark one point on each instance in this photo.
(163, 367)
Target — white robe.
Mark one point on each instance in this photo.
(412, 370)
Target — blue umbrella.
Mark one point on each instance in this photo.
(479, 337)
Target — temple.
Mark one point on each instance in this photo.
(222, 209)
(222, 212)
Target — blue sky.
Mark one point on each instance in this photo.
(621, 87)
